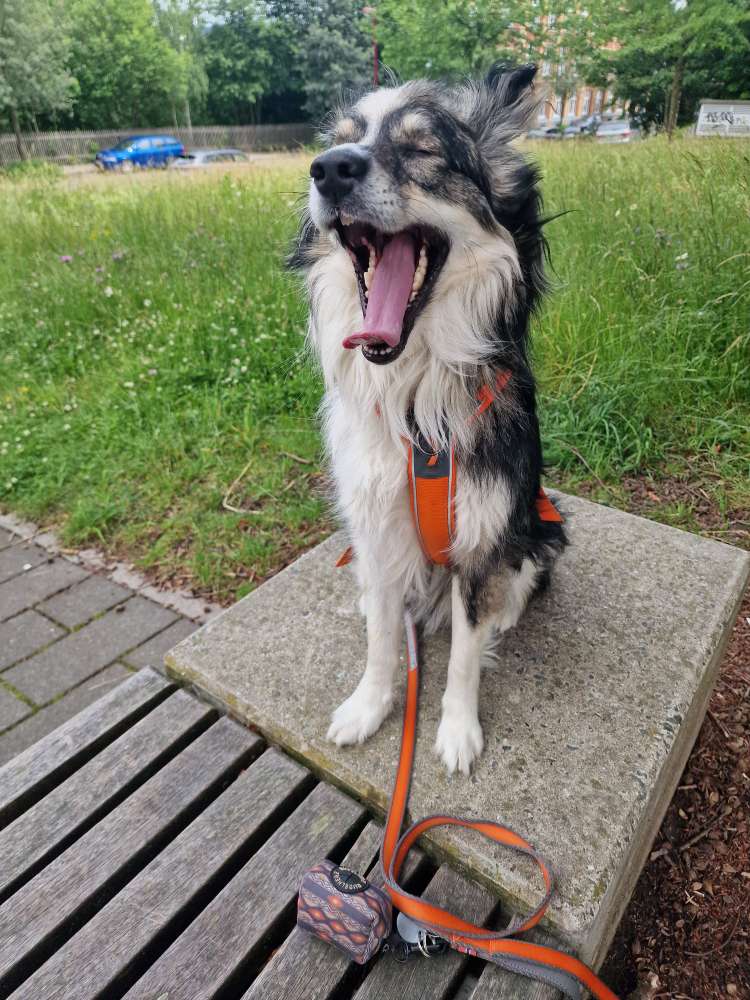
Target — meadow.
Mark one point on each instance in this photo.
(156, 399)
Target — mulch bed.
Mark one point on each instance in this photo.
(686, 932)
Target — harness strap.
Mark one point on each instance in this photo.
(432, 485)
(524, 957)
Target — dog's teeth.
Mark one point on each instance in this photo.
(346, 219)
(368, 277)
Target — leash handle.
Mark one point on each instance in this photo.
(538, 961)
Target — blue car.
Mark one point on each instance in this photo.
(140, 151)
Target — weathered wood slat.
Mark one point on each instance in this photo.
(305, 968)
(437, 978)
(50, 825)
(49, 908)
(117, 938)
(497, 984)
(211, 953)
(32, 773)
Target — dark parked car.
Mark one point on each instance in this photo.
(140, 151)
(208, 157)
(578, 127)
(544, 132)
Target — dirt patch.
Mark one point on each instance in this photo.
(686, 932)
(687, 503)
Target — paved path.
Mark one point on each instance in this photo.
(67, 636)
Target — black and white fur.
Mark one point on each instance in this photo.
(439, 161)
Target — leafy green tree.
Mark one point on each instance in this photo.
(673, 53)
(182, 23)
(237, 54)
(125, 68)
(34, 50)
(450, 39)
(330, 48)
(287, 58)
(457, 37)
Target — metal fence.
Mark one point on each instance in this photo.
(68, 147)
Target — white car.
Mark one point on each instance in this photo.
(208, 157)
(623, 130)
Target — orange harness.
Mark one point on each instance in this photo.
(432, 488)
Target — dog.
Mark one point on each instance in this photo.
(423, 255)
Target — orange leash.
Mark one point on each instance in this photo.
(536, 961)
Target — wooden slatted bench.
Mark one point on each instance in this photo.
(151, 848)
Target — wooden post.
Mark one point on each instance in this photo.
(17, 130)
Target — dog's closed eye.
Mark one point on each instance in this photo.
(419, 151)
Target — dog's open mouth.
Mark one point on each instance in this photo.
(396, 273)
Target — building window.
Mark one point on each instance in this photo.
(551, 18)
(598, 101)
(546, 67)
(558, 105)
(586, 102)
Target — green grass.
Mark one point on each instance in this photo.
(141, 377)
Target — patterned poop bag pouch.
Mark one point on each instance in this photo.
(342, 908)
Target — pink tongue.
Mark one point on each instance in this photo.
(389, 294)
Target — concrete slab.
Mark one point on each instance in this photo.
(588, 717)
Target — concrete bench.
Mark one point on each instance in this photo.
(588, 717)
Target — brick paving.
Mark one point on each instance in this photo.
(67, 637)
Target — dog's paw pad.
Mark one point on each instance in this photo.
(358, 717)
(459, 741)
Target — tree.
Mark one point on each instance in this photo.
(34, 49)
(673, 52)
(181, 23)
(297, 56)
(125, 68)
(456, 38)
(237, 53)
(329, 47)
(421, 38)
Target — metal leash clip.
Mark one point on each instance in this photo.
(409, 937)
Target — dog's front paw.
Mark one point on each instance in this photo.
(359, 716)
(459, 740)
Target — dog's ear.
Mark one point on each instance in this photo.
(503, 104)
(510, 82)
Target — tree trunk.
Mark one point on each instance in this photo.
(675, 96)
(174, 116)
(188, 119)
(17, 130)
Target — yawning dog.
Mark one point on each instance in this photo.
(423, 252)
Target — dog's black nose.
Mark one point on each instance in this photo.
(337, 171)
